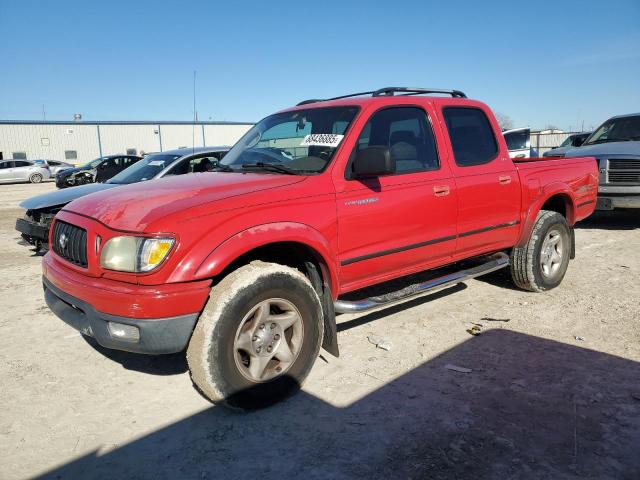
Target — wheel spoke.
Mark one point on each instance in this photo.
(258, 365)
(556, 257)
(244, 341)
(285, 320)
(284, 353)
(262, 313)
(553, 240)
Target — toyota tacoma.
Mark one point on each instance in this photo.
(247, 268)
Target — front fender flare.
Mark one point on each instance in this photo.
(260, 235)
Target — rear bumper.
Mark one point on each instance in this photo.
(157, 336)
(611, 203)
(33, 230)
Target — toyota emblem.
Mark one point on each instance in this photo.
(62, 241)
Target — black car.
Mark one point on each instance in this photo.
(96, 171)
(40, 210)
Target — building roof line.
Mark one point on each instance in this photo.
(117, 122)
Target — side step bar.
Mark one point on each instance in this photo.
(494, 262)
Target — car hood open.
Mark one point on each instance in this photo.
(62, 197)
(136, 206)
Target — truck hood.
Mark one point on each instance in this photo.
(136, 206)
(603, 149)
(62, 197)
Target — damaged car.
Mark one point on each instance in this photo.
(96, 171)
(40, 210)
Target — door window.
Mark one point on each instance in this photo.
(407, 132)
(21, 164)
(471, 136)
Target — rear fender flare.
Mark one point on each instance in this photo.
(531, 214)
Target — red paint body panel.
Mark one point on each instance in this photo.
(127, 300)
(364, 232)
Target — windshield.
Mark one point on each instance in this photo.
(616, 130)
(568, 141)
(144, 169)
(302, 141)
(94, 163)
(517, 140)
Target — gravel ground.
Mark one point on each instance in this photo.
(553, 391)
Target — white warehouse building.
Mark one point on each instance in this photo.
(80, 142)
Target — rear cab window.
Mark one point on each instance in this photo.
(472, 138)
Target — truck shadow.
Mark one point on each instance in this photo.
(530, 408)
(611, 220)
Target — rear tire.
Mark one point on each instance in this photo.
(257, 338)
(35, 178)
(542, 263)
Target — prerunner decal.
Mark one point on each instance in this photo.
(322, 140)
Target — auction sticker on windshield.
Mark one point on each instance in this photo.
(322, 140)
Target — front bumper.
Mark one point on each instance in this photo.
(156, 336)
(34, 231)
(613, 202)
(164, 314)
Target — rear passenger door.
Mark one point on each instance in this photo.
(390, 225)
(487, 182)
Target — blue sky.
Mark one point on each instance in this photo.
(546, 62)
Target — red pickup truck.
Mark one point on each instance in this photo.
(247, 266)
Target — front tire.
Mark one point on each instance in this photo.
(257, 338)
(542, 263)
(35, 178)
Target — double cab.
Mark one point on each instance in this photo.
(246, 268)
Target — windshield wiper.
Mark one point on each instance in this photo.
(269, 167)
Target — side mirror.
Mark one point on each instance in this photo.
(373, 162)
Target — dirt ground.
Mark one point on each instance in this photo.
(553, 392)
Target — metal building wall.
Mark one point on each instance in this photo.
(90, 140)
(223, 134)
(49, 141)
(119, 138)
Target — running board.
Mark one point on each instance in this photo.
(494, 262)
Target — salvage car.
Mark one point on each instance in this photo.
(98, 170)
(616, 146)
(23, 171)
(246, 269)
(40, 210)
(572, 141)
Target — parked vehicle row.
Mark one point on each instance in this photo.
(245, 268)
(98, 170)
(616, 146)
(24, 171)
(40, 210)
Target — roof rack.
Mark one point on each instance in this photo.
(391, 91)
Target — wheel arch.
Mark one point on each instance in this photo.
(287, 243)
(293, 244)
(556, 198)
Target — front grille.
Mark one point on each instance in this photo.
(622, 170)
(70, 242)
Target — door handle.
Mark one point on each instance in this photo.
(441, 190)
(504, 179)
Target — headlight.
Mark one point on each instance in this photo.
(135, 254)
